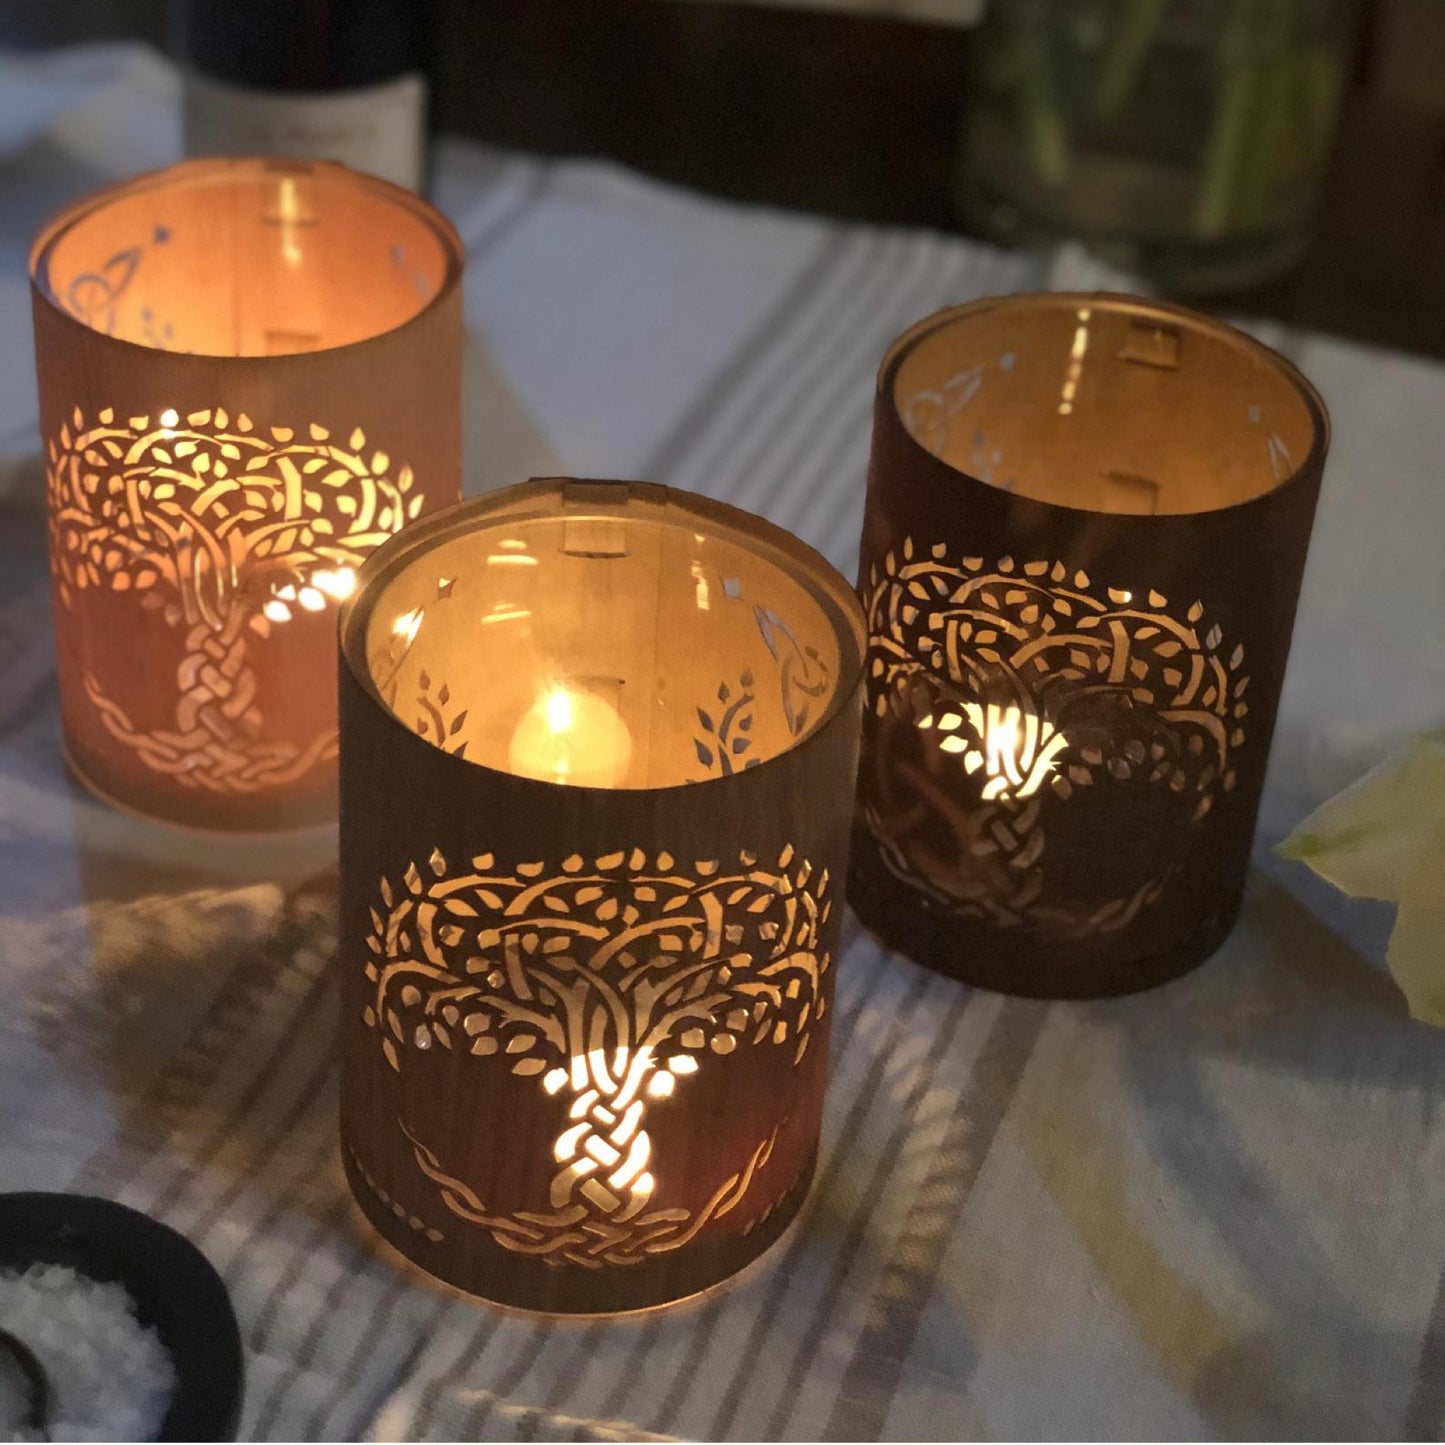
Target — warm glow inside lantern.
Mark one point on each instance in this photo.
(598, 743)
(1086, 526)
(249, 377)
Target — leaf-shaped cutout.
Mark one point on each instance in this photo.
(745, 723)
(741, 745)
(458, 723)
(747, 678)
(704, 755)
(706, 720)
(723, 693)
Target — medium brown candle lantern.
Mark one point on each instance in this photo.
(598, 744)
(1086, 525)
(249, 377)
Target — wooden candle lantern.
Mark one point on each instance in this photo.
(249, 377)
(1086, 525)
(598, 742)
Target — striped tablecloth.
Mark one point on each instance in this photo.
(1216, 1210)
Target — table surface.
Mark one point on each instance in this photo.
(1215, 1210)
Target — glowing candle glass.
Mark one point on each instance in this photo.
(598, 743)
(571, 736)
(250, 375)
(1086, 526)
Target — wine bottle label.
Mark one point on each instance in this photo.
(380, 129)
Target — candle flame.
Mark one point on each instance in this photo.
(557, 709)
(572, 737)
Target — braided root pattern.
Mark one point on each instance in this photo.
(1008, 901)
(610, 981)
(608, 1140)
(988, 867)
(200, 515)
(576, 1234)
(1029, 682)
(214, 745)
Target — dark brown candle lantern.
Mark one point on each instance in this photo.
(598, 746)
(1086, 525)
(249, 377)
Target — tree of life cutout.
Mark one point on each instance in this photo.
(227, 532)
(724, 734)
(1028, 681)
(610, 981)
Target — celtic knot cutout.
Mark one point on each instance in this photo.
(228, 533)
(610, 981)
(1025, 681)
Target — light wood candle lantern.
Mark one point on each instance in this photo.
(249, 377)
(598, 743)
(1086, 526)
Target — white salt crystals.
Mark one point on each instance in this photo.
(110, 1377)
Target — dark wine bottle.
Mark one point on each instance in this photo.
(342, 80)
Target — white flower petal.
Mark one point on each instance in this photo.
(1370, 838)
(1416, 954)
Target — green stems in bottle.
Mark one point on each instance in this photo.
(1043, 120)
(1248, 148)
(1124, 58)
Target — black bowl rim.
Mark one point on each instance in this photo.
(175, 1288)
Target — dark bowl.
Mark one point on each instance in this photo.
(175, 1289)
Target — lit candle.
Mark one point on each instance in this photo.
(239, 401)
(1086, 523)
(598, 742)
(572, 737)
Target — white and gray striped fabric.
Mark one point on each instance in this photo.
(1216, 1210)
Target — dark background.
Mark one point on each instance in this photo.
(858, 115)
